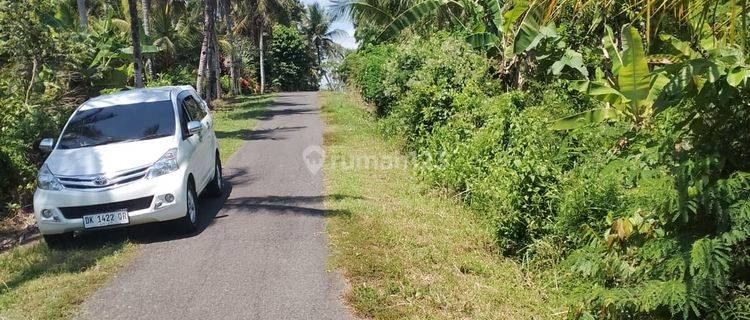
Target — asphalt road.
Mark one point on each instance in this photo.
(261, 250)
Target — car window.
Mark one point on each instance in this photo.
(184, 119)
(122, 123)
(202, 103)
(194, 109)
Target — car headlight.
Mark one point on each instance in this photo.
(166, 164)
(46, 180)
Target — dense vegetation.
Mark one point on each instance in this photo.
(614, 153)
(54, 54)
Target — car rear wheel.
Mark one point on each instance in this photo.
(215, 187)
(58, 241)
(189, 222)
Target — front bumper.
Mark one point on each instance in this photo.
(173, 183)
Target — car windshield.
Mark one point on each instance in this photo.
(131, 122)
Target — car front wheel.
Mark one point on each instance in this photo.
(215, 187)
(189, 222)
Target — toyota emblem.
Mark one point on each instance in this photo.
(100, 181)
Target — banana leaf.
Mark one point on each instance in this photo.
(494, 8)
(634, 78)
(572, 59)
(600, 91)
(584, 118)
(409, 17)
(610, 49)
(528, 32)
(482, 40)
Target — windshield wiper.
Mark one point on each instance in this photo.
(108, 140)
(147, 137)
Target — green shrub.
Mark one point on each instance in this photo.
(450, 80)
(366, 69)
(291, 62)
(21, 129)
(648, 222)
(226, 83)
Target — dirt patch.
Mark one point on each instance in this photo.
(17, 230)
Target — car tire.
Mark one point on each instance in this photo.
(189, 223)
(215, 187)
(58, 241)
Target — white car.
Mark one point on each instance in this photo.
(128, 158)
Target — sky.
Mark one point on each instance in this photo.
(348, 41)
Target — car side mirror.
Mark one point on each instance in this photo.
(194, 127)
(47, 144)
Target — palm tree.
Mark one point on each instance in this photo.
(207, 50)
(134, 32)
(145, 9)
(258, 16)
(321, 34)
(233, 79)
(83, 14)
(175, 24)
(216, 71)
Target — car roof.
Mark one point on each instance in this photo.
(133, 96)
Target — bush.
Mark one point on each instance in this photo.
(226, 83)
(646, 223)
(291, 63)
(21, 129)
(367, 70)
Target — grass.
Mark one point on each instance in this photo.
(39, 283)
(406, 250)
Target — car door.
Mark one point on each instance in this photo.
(196, 143)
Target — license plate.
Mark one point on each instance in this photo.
(106, 219)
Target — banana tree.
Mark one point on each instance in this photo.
(515, 28)
(513, 33)
(629, 95)
(712, 73)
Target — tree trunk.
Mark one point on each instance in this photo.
(34, 69)
(217, 68)
(202, 64)
(134, 32)
(239, 71)
(145, 9)
(262, 69)
(231, 58)
(83, 16)
(206, 60)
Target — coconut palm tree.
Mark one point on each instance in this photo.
(175, 24)
(145, 10)
(232, 59)
(135, 35)
(207, 50)
(257, 19)
(320, 33)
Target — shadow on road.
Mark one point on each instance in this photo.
(304, 205)
(261, 134)
(273, 111)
